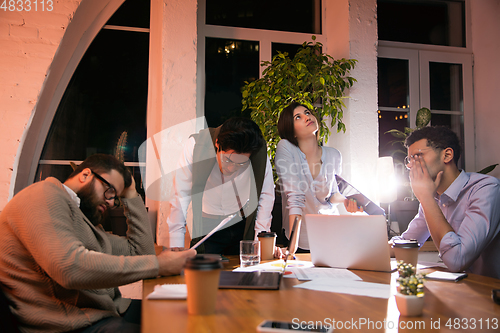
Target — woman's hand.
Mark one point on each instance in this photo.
(351, 206)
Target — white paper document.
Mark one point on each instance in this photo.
(169, 291)
(346, 286)
(427, 264)
(313, 273)
(223, 222)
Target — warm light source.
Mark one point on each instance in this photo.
(386, 180)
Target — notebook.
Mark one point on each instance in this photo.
(349, 241)
(348, 191)
(257, 280)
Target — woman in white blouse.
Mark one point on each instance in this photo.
(306, 170)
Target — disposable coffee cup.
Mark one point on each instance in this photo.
(267, 244)
(407, 251)
(202, 274)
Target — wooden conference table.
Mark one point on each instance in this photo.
(449, 307)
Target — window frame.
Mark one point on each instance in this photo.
(418, 76)
(419, 56)
(87, 21)
(265, 38)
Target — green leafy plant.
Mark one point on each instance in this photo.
(312, 78)
(410, 283)
(488, 169)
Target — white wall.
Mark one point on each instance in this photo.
(178, 100)
(352, 33)
(486, 50)
(28, 43)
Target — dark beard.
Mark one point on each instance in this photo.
(89, 204)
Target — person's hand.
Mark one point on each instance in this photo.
(391, 250)
(172, 262)
(279, 252)
(421, 182)
(351, 206)
(130, 192)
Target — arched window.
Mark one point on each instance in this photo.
(96, 92)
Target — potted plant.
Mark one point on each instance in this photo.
(410, 294)
(312, 78)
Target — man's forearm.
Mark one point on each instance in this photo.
(436, 222)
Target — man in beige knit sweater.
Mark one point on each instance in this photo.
(60, 270)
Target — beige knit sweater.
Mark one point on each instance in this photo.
(61, 272)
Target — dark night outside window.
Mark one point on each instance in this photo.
(281, 15)
(106, 96)
(422, 21)
(228, 64)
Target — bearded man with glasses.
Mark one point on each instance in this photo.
(60, 270)
(460, 210)
(223, 171)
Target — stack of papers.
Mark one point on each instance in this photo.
(351, 287)
(169, 291)
(323, 278)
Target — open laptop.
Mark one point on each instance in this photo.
(350, 192)
(257, 280)
(349, 241)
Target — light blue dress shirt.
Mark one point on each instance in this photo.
(471, 205)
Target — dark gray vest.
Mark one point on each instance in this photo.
(203, 163)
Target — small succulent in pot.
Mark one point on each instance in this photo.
(410, 283)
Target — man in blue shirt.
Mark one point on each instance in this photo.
(460, 210)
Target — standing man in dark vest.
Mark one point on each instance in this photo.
(223, 171)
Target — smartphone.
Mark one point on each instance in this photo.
(272, 326)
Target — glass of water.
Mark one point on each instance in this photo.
(249, 253)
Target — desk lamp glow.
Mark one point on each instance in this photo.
(386, 179)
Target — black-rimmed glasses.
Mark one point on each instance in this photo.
(110, 193)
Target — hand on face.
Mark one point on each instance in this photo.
(421, 182)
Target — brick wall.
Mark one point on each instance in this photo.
(28, 42)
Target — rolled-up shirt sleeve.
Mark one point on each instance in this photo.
(266, 202)
(460, 249)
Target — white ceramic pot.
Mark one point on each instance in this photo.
(409, 305)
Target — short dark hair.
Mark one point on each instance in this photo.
(103, 163)
(286, 130)
(438, 137)
(240, 134)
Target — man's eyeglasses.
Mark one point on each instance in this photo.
(110, 193)
(227, 160)
(411, 158)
